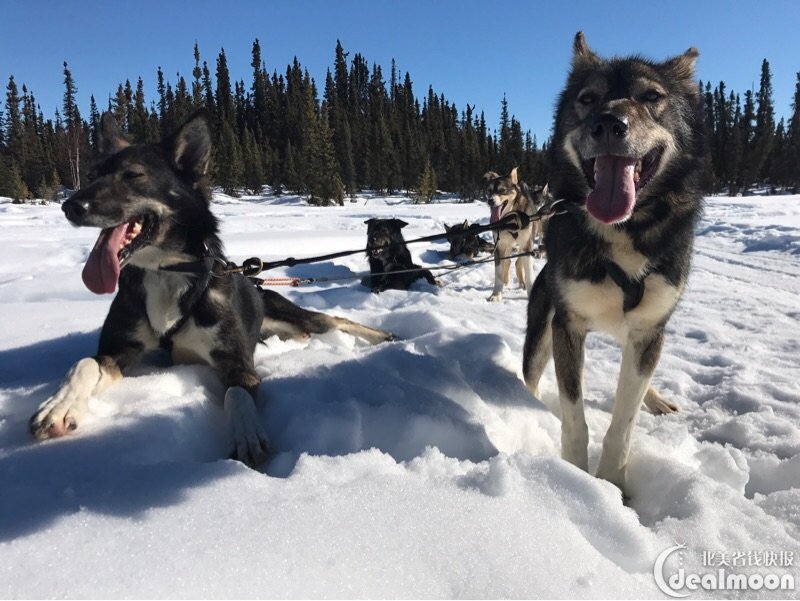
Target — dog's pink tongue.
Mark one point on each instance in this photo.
(614, 192)
(496, 213)
(101, 272)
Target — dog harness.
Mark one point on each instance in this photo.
(202, 270)
(632, 289)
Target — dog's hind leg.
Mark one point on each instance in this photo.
(639, 359)
(519, 267)
(287, 320)
(538, 339)
(658, 404)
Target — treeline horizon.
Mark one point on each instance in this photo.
(360, 132)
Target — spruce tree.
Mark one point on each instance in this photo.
(426, 184)
(765, 121)
(73, 127)
(253, 176)
(324, 183)
(197, 84)
(793, 141)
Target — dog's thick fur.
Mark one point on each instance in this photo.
(505, 194)
(387, 253)
(153, 207)
(627, 153)
(465, 246)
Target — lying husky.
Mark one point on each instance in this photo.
(465, 246)
(627, 153)
(388, 255)
(159, 243)
(505, 194)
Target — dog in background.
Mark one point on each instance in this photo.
(159, 244)
(388, 255)
(627, 154)
(539, 196)
(505, 194)
(465, 246)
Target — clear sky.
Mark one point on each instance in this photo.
(471, 51)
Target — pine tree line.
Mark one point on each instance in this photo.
(745, 147)
(362, 132)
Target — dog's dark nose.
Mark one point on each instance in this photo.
(608, 123)
(75, 209)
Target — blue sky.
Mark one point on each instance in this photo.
(471, 51)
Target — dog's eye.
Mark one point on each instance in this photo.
(586, 99)
(132, 175)
(652, 96)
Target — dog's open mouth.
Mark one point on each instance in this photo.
(497, 212)
(615, 181)
(376, 251)
(114, 248)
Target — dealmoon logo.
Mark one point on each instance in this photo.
(658, 572)
(714, 580)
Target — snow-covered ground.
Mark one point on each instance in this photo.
(418, 468)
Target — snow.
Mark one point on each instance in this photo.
(418, 468)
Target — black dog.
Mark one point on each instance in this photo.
(388, 254)
(463, 245)
(159, 246)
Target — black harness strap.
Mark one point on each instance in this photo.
(632, 289)
(203, 271)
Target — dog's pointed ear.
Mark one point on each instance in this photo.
(191, 146)
(109, 139)
(582, 55)
(546, 190)
(399, 223)
(682, 67)
(513, 175)
(466, 224)
(489, 175)
(447, 228)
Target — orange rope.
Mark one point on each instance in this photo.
(294, 282)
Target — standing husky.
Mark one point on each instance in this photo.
(627, 154)
(159, 243)
(505, 194)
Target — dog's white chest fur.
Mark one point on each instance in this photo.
(600, 305)
(191, 344)
(162, 293)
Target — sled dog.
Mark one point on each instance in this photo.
(388, 254)
(505, 194)
(465, 246)
(159, 246)
(626, 154)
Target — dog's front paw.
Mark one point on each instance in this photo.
(62, 412)
(250, 444)
(496, 297)
(57, 416)
(612, 473)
